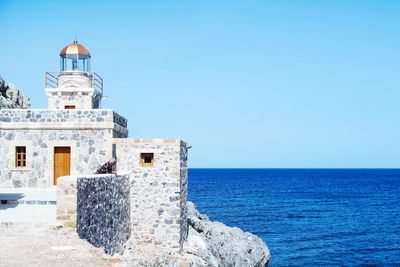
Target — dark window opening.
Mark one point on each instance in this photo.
(147, 159)
(20, 156)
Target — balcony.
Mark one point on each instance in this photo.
(95, 81)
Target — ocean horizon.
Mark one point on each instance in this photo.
(308, 216)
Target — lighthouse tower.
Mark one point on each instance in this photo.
(75, 86)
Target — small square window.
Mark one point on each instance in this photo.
(20, 156)
(147, 159)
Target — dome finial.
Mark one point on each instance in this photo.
(75, 40)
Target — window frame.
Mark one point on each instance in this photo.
(20, 157)
(143, 162)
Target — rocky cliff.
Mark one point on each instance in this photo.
(10, 96)
(209, 244)
(215, 244)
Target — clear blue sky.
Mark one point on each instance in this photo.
(247, 83)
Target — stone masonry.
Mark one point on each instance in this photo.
(67, 200)
(158, 195)
(66, 144)
(103, 211)
(73, 88)
(88, 133)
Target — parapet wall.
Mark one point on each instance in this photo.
(103, 211)
(42, 118)
(99, 205)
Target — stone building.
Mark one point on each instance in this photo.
(74, 136)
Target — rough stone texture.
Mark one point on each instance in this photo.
(64, 119)
(165, 229)
(219, 245)
(144, 215)
(183, 192)
(67, 201)
(89, 149)
(209, 244)
(73, 88)
(103, 211)
(61, 116)
(58, 100)
(158, 193)
(158, 196)
(89, 133)
(120, 120)
(10, 96)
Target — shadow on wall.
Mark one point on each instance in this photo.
(10, 200)
(103, 211)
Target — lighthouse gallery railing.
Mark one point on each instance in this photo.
(96, 82)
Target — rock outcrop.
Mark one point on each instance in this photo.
(215, 244)
(10, 96)
(210, 244)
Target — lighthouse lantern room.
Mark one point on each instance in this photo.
(75, 57)
(75, 86)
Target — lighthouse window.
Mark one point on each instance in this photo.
(147, 159)
(20, 156)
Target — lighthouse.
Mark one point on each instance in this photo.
(74, 86)
(60, 146)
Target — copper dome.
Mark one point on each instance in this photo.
(75, 49)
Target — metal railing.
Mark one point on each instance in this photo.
(96, 82)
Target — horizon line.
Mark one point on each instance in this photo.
(301, 168)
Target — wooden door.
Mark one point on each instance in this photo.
(62, 162)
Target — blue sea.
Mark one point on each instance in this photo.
(308, 217)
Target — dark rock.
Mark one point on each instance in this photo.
(10, 96)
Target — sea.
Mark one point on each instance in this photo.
(308, 217)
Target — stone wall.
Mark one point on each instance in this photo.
(99, 206)
(70, 80)
(184, 192)
(67, 196)
(73, 89)
(103, 211)
(158, 192)
(88, 133)
(120, 120)
(59, 101)
(157, 199)
(69, 117)
(89, 150)
(120, 131)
